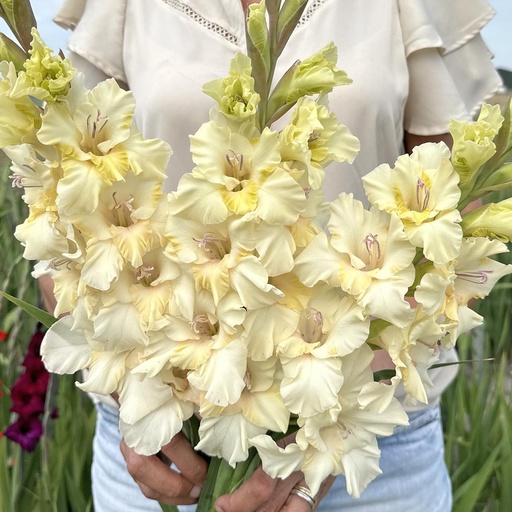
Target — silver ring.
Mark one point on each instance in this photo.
(304, 493)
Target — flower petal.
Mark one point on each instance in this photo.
(64, 350)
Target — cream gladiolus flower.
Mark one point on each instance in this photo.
(343, 440)
(422, 189)
(237, 173)
(46, 77)
(328, 328)
(218, 264)
(235, 94)
(473, 142)
(221, 376)
(38, 178)
(413, 350)
(94, 132)
(493, 220)
(147, 427)
(445, 291)
(226, 431)
(368, 256)
(317, 74)
(314, 138)
(20, 118)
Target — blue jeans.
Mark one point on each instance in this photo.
(414, 476)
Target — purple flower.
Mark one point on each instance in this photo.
(25, 431)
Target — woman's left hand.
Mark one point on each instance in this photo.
(261, 493)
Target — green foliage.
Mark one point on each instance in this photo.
(55, 477)
(477, 413)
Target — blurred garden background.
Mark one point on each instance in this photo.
(47, 469)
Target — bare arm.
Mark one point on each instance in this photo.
(411, 140)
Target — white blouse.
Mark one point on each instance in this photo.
(415, 64)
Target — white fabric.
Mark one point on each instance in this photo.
(414, 63)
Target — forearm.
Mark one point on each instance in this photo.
(46, 287)
(411, 140)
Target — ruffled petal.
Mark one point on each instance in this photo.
(64, 350)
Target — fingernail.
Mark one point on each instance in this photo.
(218, 509)
(195, 492)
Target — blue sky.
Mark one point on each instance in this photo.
(497, 34)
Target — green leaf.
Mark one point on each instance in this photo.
(287, 22)
(168, 508)
(440, 365)
(468, 493)
(38, 314)
(6, 12)
(383, 375)
(24, 21)
(11, 52)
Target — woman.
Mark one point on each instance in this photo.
(414, 63)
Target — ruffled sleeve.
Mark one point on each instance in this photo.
(98, 33)
(450, 68)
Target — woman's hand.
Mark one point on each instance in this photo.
(261, 493)
(158, 481)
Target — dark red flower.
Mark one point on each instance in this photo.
(26, 403)
(32, 383)
(3, 335)
(34, 347)
(34, 364)
(26, 431)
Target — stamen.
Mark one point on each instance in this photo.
(344, 431)
(314, 314)
(373, 248)
(202, 242)
(422, 195)
(17, 180)
(236, 163)
(477, 277)
(144, 271)
(56, 263)
(124, 209)
(201, 325)
(97, 125)
(247, 380)
(314, 136)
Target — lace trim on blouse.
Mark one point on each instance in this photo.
(310, 10)
(221, 31)
(195, 16)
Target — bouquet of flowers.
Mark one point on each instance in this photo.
(242, 303)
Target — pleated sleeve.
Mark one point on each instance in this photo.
(98, 33)
(450, 67)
